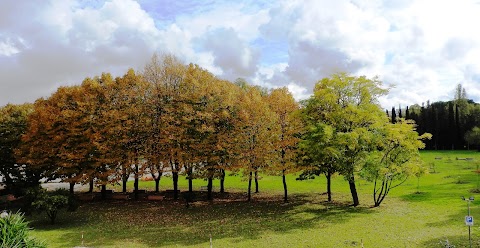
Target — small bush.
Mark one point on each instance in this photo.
(51, 203)
(72, 201)
(30, 196)
(14, 232)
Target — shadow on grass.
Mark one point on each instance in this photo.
(171, 223)
(417, 196)
(439, 192)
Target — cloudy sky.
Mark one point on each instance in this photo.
(424, 48)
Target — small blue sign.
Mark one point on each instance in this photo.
(469, 220)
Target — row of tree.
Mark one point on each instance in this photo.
(452, 123)
(181, 119)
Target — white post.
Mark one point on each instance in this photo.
(468, 209)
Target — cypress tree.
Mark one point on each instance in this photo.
(422, 127)
(458, 138)
(394, 115)
(451, 125)
(434, 128)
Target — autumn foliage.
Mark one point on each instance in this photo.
(181, 119)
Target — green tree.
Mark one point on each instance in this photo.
(394, 115)
(473, 137)
(13, 124)
(349, 106)
(50, 203)
(318, 154)
(395, 158)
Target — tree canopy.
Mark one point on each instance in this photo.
(181, 119)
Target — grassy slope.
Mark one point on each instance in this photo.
(405, 219)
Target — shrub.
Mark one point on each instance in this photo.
(72, 201)
(30, 196)
(50, 203)
(14, 232)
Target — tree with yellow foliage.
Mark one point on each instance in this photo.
(256, 133)
(165, 77)
(289, 128)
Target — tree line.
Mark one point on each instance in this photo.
(454, 124)
(182, 120)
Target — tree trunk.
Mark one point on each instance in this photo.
(9, 183)
(135, 184)
(210, 184)
(190, 180)
(377, 202)
(104, 191)
(175, 185)
(329, 186)
(157, 184)
(124, 184)
(386, 186)
(222, 181)
(52, 215)
(249, 186)
(124, 180)
(72, 185)
(90, 188)
(256, 182)
(157, 178)
(353, 191)
(285, 198)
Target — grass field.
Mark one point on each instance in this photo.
(409, 217)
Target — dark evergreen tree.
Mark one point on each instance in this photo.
(458, 135)
(434, 127)
(394, 115)
(443, 134)
(421, 121)
(451, 125)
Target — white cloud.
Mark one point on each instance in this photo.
(231, 53)
(59, 43)
(424, 47)
(420, 46)
(298, 91)
(7, 48)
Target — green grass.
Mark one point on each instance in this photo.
(409, 217)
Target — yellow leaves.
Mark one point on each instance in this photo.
(172, 111)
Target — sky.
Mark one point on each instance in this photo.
(422, 49)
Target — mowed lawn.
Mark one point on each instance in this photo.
(411, 216)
